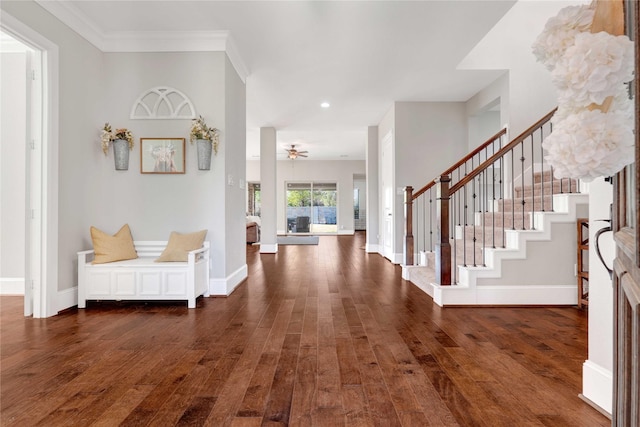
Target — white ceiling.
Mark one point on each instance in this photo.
(360, 56)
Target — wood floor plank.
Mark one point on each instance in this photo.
(318, 335)
(278, 408)
(355, 406)
(121, 408)
(255, 398)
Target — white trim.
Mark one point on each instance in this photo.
(395, 258)
(372, 248)
(12, 286)
(224, 287)
(74, 19)
(147, 41)
(346, 232)
(505, 295)
(67, 298)
(597, 385)
(236, 59)
(45, 191)
(268, 248)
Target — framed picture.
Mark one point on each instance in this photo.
(162, 155)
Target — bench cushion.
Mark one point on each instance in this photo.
(180, 244)
(140, 262)
(112, 248)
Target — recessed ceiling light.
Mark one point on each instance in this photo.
(325, 105)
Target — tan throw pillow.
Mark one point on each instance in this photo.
(112, 248)
(180, 244)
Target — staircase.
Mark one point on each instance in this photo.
(536, 264)
(512, 230)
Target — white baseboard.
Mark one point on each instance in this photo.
(224, 287)
(504, 295)
(396, 258)
(597, 385)
(372, 248)
(66, 298)
(12, 286)
(268, 248)
(345, 232)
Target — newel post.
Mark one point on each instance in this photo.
(443, 247)
(408, 225)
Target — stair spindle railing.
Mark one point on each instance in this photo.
(465, 211)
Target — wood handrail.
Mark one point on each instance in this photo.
(461, 162)
(491, 160)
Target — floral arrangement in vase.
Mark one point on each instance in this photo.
(593, 126)
(107, 136)
(200, 130)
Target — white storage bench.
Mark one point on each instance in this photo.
(144, 279)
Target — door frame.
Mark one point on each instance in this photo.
(41, 233)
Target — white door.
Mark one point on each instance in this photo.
(387, 198)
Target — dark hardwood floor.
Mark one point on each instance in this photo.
(321, 335)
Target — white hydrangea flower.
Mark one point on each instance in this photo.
(593, 68)
(559, 33)
(568, 105)
(590, 144)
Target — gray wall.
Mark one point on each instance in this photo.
(235, 149)
(97, 87)
(154, 205)
(82, 98)
(428, 137)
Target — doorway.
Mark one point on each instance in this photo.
(388, 199)
(359, 202)
(40, 146)
(312, 207)
(16, 59)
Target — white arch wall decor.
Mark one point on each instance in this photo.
(163, 102)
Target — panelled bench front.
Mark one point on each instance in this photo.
(144, 279)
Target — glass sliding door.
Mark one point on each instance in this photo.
(254, 199)
(312, 207)
(324, 218)
(298, 207)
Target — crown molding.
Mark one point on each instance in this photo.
(146, 41)
(74, 19)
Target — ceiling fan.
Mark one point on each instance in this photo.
(294, 154)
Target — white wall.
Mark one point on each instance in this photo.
(13, 172)
(597, 381)
(339, 171)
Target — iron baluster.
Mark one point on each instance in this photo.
(533, 188)
(522, 159)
